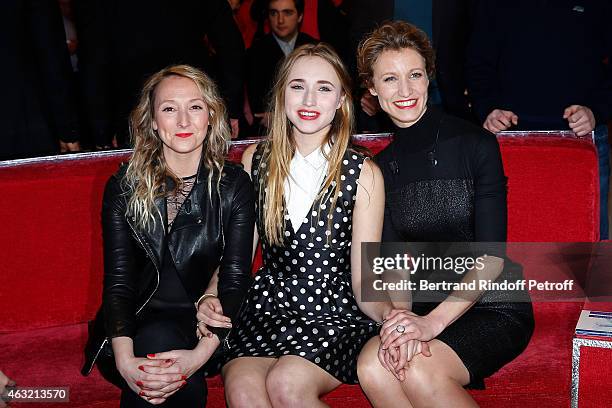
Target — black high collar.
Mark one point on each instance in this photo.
(422, 134)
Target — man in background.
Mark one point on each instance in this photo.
(284, 17)
(541, 66)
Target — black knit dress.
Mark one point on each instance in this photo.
(444, 182)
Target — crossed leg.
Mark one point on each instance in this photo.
(288, 381)
(435, 381)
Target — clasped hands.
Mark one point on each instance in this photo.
(158, 376)
(153, 379)
(579, 118)
(403, 335)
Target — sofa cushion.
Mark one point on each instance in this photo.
(538, 377)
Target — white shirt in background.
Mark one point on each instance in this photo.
(286, 46)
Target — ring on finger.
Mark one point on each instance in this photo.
(400, 328)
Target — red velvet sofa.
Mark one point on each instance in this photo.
(50, 284)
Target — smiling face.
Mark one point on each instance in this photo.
(180, 118)
(284, 18)
(400, 81)
(312, 95)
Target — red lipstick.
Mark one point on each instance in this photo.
(405, 104)
(183, 135)
(305, 114)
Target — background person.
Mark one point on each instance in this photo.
(264, 56)
(545, 76)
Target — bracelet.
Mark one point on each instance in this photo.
(204, 296)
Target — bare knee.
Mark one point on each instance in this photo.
(424, 380)
(283, 391)
(240, 396)
(372, 375)
(244, 391)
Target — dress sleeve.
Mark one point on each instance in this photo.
(490, 203)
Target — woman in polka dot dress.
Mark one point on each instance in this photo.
(301, 327)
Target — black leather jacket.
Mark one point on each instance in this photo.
(213, 232)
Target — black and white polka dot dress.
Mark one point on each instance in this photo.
(301, 302)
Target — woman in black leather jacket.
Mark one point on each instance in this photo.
(171, 217)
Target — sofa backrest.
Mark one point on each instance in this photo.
(51, 270)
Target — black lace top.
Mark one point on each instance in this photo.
(171, 292)
(176, 200)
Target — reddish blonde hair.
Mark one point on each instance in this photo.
(394, 35)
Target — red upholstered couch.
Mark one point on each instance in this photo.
(51, 263)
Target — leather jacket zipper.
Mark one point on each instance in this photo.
(150, 255)
(93, 360)
(225, 341)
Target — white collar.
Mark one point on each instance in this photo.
(315, 159)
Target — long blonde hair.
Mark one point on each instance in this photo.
(279, 148)
(145, 178)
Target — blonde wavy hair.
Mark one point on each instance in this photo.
(279, 147)
(145, 178)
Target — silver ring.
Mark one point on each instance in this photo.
(400, 328)
(199, 322)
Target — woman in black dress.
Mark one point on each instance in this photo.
(171, 218)
(444, 182)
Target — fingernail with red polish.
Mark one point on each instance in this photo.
(168, 361)
(184, 377)
(141, 367)
(141, 393)
(183, 384)
(151, 355)
(139, 383)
